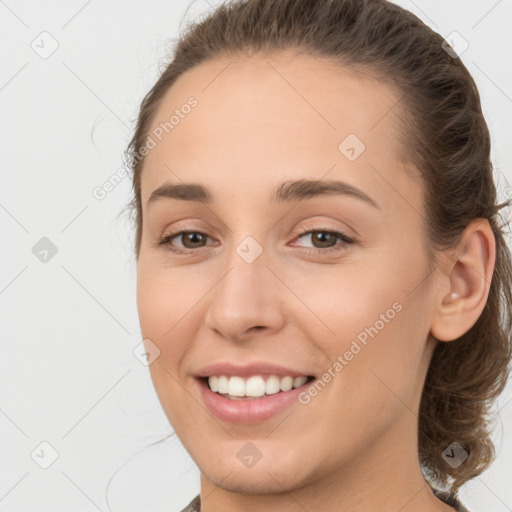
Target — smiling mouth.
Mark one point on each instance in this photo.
(255, 387)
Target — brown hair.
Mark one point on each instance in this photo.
(443, 134)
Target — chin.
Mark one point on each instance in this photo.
(251, 482)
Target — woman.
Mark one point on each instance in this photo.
(321, 266)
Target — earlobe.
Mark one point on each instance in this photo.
(469, 279)
(453, 296)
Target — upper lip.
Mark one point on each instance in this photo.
(230, 369)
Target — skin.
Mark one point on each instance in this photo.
(260, 121)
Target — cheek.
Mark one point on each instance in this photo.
(370, 327)
(164, 299)
(163, 302)
(348, 302)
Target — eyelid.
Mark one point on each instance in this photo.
(341, 233)
(166, 238)
(346, 240)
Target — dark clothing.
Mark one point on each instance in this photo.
(450, 500)
(195, 504)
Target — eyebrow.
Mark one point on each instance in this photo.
(286, 191)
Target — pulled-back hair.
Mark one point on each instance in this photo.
(443, 134)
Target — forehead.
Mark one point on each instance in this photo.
(273, 116)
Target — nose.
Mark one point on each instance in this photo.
(248, 298)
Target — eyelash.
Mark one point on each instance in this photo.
(164, 241)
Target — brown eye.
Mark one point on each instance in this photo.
(323, 239)
(192, 239)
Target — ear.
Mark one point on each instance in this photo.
(467, 276)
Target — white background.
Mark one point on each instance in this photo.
(69, 326)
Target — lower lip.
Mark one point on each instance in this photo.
(248, 411)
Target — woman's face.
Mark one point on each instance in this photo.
(352, 310)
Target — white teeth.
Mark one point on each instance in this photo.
(272, 385)
(222, 384)
(236, 386)
(286, 383)
(254, 386)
